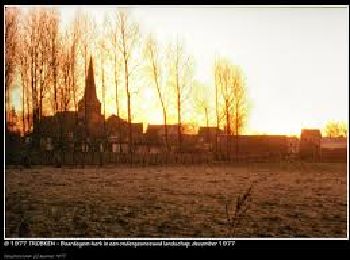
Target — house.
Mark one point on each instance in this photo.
(155, 134)
(267, 146)
(293, 144)
(310, 141)
(334, 149)
(209, 132)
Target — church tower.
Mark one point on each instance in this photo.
(89, 107)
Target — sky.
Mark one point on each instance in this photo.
(295, 59)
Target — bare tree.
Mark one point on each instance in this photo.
(103, 51)
(201, 98)
(34, 46)
(11, 35)
(38, 53)
(24, 68)
(85, 31)
(224, 80)
(25, 54)
(55, 52)
(180, 72)
(216, 80)
(239, 108)
(66, 73)
(74, 35)
(57, 73)
(42, 28)
(24, 77)
(128, 37)
(32, 31)
(153, 58)
(115, 55)
(231, 85)
(64, 89)
(44, 55)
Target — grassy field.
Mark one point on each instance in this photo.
(287, 200)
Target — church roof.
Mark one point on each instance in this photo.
(90, 87)
(91, 69)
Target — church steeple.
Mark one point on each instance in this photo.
(91, 70)
(89, 107)
(90, 87)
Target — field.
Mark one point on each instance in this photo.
(287, 200)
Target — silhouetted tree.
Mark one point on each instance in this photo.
(201, 97)
(224, 81)
(11, 39)
(128, 37)
(153, 58)
(180, 73)
(24, 68)
(86, 31)
(239, 108)
(231, 86)
(113, 39)
(103, 50)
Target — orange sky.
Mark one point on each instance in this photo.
(295, 61)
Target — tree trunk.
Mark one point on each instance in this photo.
(165, 130)
(117, 106)
(227, 130)
(130, 130)
(7, 100)
(28, 125)
(237, 134)
(217, 119)
(179, 122)
(74, 103)
(116, 98)
(86, 127)
(207, 119)
(35, 103)
(32, 86)
(166, 137)
(104, 115)
(129, 107)
(23, 109)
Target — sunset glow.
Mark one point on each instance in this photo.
(142, 122)
(295, 61)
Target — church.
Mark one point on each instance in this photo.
(89, 108)
(87, 124)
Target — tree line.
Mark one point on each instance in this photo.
(50, 62)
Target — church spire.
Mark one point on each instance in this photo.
(90, 87)
(89, 107)
(91, 70)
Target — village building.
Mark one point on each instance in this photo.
(253, 146)
(89, 107)
(293, 148)
(86, 129)
(310, 142)
(334, 149)
(209, 132)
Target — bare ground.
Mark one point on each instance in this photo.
(287, 200)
